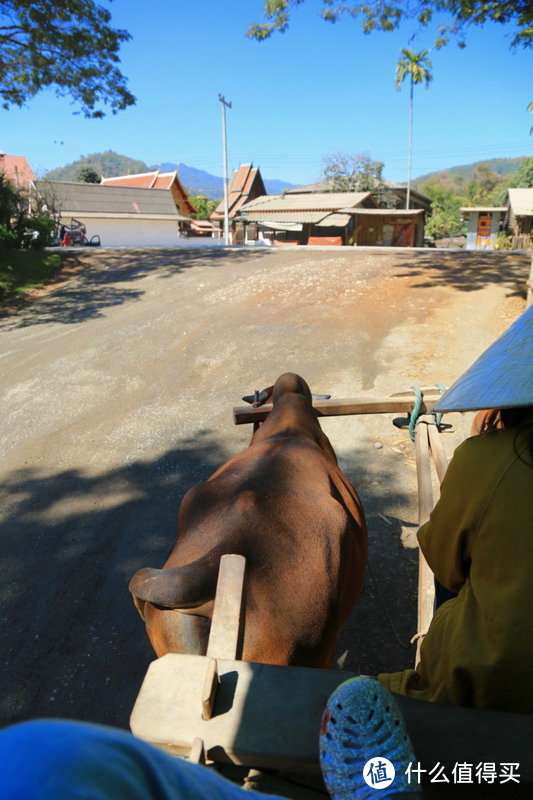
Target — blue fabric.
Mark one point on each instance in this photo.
(60, 760)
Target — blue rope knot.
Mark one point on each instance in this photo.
(415, 413)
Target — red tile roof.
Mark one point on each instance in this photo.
(154, 180)
(17, 170)
(246, 184)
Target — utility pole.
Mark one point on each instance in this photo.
(225, 156)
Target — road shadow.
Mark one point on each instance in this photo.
(469, 271)
(72, 641)
(73, 644)
(376, 637)
(94, 280)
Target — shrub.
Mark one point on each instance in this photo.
(7, 238)
(34, 233)
(503, 242)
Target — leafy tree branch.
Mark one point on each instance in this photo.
(65, 44)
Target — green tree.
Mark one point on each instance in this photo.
(347, 172)
(66, 44)
(445, 217)
(10, 202)
(204, 207)
(523, 177)
(88, 175)
(387, 15)
(417, 67)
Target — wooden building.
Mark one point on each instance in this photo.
(246, 184)
(519, 203)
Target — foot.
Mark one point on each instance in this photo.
(364, 745)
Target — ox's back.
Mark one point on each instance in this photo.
(285, 506)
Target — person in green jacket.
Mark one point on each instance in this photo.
(478, 651)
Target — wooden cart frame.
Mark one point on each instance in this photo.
(221, 710)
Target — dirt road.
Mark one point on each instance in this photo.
(118, 394)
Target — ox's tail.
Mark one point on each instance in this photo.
(187, 587)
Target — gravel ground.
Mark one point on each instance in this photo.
(119, 384)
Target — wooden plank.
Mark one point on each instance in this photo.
(529, 299)
(268, 717)
(228, 611)
(210, 687)
(437, 451)
(197, 751)
(426, 586)
(264, 716)
(402, 403)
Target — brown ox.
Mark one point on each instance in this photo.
(284, 504)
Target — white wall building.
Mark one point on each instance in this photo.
(121, 216)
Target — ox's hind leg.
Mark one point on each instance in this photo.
(172, 631)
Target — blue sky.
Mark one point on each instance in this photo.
(296, 97)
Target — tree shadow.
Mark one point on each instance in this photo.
(73, 643)
(469, 271)
(95, 285)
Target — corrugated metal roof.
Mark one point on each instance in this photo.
(285, 217)
(319, 201)
(521, 201)
(384, 212)
(77, 198)
(334, 221)
(324, 186)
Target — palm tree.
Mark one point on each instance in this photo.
(418, 67)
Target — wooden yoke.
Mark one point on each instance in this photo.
(394, 404)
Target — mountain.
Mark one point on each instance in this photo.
(108, 164)
(196, 181)
(504, 167)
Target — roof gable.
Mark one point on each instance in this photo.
(521, 201)
(246, 184)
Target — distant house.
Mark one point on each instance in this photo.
(17, 170)
(246, 184)
(484, 224)
(519, 203)
(202, 227)
(121, 216)
(299, 218)
(157, 180)
(395, 192)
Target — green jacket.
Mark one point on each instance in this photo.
(478, 650)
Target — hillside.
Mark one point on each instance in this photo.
(503, 167)
(108, 164)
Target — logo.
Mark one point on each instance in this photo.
(379, 772)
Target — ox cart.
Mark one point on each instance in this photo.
(259, 723)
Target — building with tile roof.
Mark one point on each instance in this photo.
(396, 192)
(246, 184)
(157, 180)
(122, 216)
(294, 217)
(17, 170)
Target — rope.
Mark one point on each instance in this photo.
(415, 413)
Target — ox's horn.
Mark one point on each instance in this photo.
(320, 396)
(258, 397)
